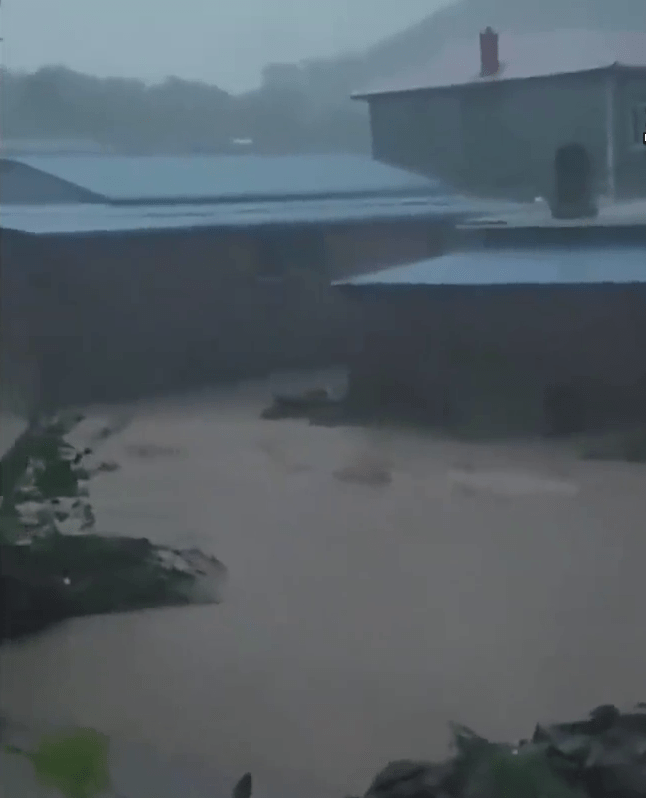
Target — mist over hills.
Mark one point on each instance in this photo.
(419, 42)
(299, 107)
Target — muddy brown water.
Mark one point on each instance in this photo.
(491, 584)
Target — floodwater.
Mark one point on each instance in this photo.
(490, 584)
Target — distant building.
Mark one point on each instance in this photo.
(508, 117)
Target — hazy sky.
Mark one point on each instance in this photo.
(222, 42)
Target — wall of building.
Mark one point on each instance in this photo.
(496, 139)
(19, 255)
(630, 157)
(485, 356)
(419, 132)
(360, 249)
(131, 314)
(153, 312)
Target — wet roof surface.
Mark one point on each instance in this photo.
(91, 218)
(555, 265)
(521, 56)
(131, 178)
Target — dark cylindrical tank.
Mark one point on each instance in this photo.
(573, 183)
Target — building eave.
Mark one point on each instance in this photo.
(369, 96)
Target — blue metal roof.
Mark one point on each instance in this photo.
(554, 265)
(229, 177)
(91, 218)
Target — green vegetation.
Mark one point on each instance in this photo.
(593, 758)
(75, 764)
(106, 574)
(44, 449)
(504, 774)
(47, 575)
(482, 769)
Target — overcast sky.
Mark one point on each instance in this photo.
(222, 41)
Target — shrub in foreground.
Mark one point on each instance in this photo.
(600, 757)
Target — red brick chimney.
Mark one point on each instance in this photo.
(489, 64)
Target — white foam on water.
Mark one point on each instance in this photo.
(512, 483)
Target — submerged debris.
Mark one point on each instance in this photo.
(243, 788)
(365, 472)
(150, 451)
(317, 404)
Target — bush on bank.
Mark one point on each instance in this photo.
(54, 566)
(603, 756)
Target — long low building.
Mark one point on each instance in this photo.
(511, 337)
(122, 312)
(153, 287)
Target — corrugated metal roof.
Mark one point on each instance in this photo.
(521, 56)
(230, 177)
(544, 266)
(88, 218)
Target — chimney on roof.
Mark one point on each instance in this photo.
(489, 63)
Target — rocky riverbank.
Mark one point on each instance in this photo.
(53, 563)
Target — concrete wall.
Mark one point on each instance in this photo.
(18, 353)
(630, 159)
(128, 315)
(149, 313)
(487, 355)
(360, 249)
(501, 139)
(422, 133)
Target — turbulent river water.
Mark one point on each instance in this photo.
(490, 584)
